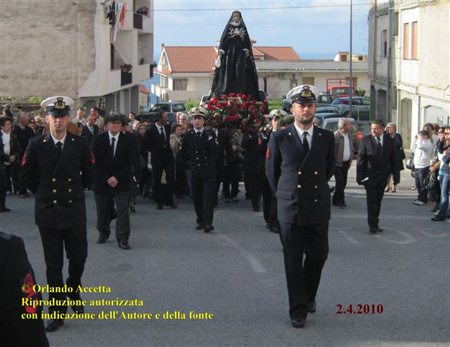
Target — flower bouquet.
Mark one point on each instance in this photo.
(235, 110)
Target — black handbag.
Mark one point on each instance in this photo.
(410, 163)
(430, 181)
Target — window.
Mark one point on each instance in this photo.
(308, 80)
(294, 83)
(406, 41)
(180, 84)
(414, 33)
(163, 82)
(384, 43)
(410, 41)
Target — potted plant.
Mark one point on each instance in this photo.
(126, 67)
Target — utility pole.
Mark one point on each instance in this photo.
(389, 62)
(351, 65)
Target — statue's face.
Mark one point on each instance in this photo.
(236, 17)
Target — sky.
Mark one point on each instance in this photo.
(316, 29)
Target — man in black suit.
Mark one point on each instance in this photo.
(200, 149)
(299, 163)
(90, 129)
(18, 297)
(156, 140)
(250, 144)
(377, 157)
(114, 153)
(57, 168)
(23, 133)
(9, 156)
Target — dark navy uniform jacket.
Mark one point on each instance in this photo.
(58, 182)
(200, 152)
(301, 181)
(17, 284)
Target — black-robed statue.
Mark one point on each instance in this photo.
(235, 67)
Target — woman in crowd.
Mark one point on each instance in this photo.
(146, 175)
(391, 129)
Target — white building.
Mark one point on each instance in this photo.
(74, 49)
(187, 71)
(419, 64)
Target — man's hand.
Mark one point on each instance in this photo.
(112, 181)
(12, 159)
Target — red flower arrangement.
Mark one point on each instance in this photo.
(235, 110)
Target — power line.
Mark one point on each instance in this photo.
(253, 8)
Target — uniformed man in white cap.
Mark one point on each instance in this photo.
(199, 148)
(299, 163)
(57, 168)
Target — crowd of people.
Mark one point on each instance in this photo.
(286, 165)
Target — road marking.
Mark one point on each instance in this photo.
(408, 238)
(433, 235)
(348, 237)
(254, 263)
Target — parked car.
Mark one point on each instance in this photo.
(327, 109)
(324, 99)
(322, 116)
(360, 107)
(171, 108)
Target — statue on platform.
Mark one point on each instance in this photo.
(235, 70)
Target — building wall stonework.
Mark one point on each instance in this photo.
(46, 48)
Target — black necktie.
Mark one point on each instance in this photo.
(59, 148)
(379, 147)
(162, 134)
(305, 142)
(113, 142)
(199, 133)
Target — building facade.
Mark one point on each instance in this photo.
(409, 63)
(186, 72)
(77, 49)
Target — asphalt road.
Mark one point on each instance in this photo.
(228, 288)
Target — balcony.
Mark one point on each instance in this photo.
(126, 78)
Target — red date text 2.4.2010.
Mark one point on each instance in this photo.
(360, 309)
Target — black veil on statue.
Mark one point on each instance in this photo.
(235, 67)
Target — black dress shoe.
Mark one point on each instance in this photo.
(159, 207)
(101, 239)
(275, 229)
(124, 245)
(200, 227)
(298, 322)
(312, 306)
(438, 219)
(53, 325)
(208, 228)
(5, 209)
(256, 209)
(173, 206)
(76, 308)
(268, 226)
(132, 209)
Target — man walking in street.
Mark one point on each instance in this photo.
(377, 158)
(114, 153)
(344, 152)
(300, 161)
(57, 168)
(200, 149)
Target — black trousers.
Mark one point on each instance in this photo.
(204, 192)
(340, 175)
(105, 205)
(54, 241)
(252, 187)
(374, 195)
(163, 195)
(303, 274)
(231, 176)
(3, 187)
